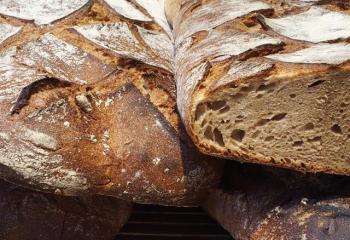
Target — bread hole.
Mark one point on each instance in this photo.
(292, 95)
(279, 117)
(218, 137)
(240, 116)
(238, 135)
(208, 133)
(336, 129)
(316, 83)
(309, 126)
(246, 89)
(269, 138)
(344, 105)
(298, 143)
(266, 87)
(204, 122)
(256, 134)
(225, 109)
(236, 96)
(262, 122)
(217, 105)
(201, 108)
(315, 139)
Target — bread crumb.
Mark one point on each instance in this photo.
(123, 170)
(166, 170)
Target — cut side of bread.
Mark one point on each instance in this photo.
(277, 93)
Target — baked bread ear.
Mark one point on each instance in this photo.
(88, 105)
(28, 215)
(266, 81)
(271, 204)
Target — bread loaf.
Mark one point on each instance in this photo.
(266, 81)
(88, 104)
(28, 215)
(271, 204)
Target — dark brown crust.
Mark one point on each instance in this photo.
(266, 203)
(29, 215)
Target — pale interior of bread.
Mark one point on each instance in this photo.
(296, 122)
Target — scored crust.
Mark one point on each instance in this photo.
(266, 84)
(83, 113)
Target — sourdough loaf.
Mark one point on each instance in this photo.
(88, 103)
(28, 215)
(266, 81)
(272, 204)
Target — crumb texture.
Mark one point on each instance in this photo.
(267, 83)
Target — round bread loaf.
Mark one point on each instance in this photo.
(28, 215)
(88, 104)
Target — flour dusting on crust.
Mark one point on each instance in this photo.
(41, 11)
(128, 10)
(62, 60)
(7, 31)
(202, 17)
(322, 53)
(119, 39)
(13, 76)
(315, 25)
(156, 9)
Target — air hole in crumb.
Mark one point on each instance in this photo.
(200, 111)
(216, 105)
(256, 134)
(298, 143)
(246, 89)
(208, 133)
(309, 126)
(315, 139)
(236, 96)
(316, 83)
(336, 129)
(238, 135)
(262, 122)
(269, 138)
(225, 109)
(266, 87)
(279, 117)
(218, 137)
(292, 95)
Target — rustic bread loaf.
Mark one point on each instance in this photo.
(266, 81)
(28, 215)
(88, 104)
(272, 204)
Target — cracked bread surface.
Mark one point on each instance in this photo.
(70, 92)
(277, 93)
